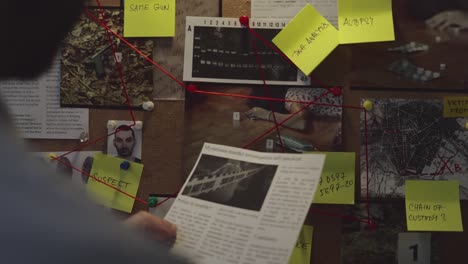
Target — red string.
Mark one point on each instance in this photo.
(367, 164)
(108, 185)
(285, 120)
(181, 83)
(117, 63)
(267, 91)
(348, 217)
(274, 99)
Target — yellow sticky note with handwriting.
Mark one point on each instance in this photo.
(365, 21)
(107, 169)
(149, 18)
(456, 106)
(307, 39)
(433, 205)
(302, 251)
(337, 182)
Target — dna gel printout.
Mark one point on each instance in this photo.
(221, 50)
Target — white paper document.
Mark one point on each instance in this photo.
(245, 207)
(35, 107)
(289, 8)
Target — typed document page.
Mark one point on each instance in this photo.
(35, 108)
(289, 8)
(241, 206)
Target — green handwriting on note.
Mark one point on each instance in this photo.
(107, 169)
(149, 18)
(456, 106)
(307, 39)
(365, 21)
(337, 182)
(433, 206)
(302, 250)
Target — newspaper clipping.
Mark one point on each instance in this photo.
(242, 206)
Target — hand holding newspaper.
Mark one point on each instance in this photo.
(242, 206)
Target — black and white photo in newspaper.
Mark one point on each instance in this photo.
(220, 50)
(243, 206)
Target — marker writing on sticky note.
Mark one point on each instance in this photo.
(307, 39)
(358, 22)
(337, 182)
(334, 183)
(433, 205)
(302, 251)
(365, 21)
(456, 106)
(108, 170)
(426, 212)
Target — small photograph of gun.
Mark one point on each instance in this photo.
(96, 62)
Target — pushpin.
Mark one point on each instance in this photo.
(152, 201)
(438, 39)
(118, 57)
(148, 106)
(52, 156)
(236, 116)
(336, 91)
(111, 125)
(269, 145)
(192, 88)
(244, 20)
(138, 125)
(443, 66)
(368, 105)
(125, 165)
(84, 137)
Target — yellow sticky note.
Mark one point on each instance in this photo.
(337, 182)
(456, 106)
(433, 206)
(149, 18)
(307, 39)
(365, 21)
(107, 169)
(302, 251)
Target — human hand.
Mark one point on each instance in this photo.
(447, 19)
(157, 228)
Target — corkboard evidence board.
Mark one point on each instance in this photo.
(358, 70)
(163, 133)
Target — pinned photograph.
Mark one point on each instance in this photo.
(230, 182)
(126, 142)
(90, 73)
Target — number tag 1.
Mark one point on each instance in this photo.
(414, 248)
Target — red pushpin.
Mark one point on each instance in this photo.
(244, 20)
(336, 91)
(191, 88)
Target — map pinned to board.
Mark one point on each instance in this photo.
(408, 139)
